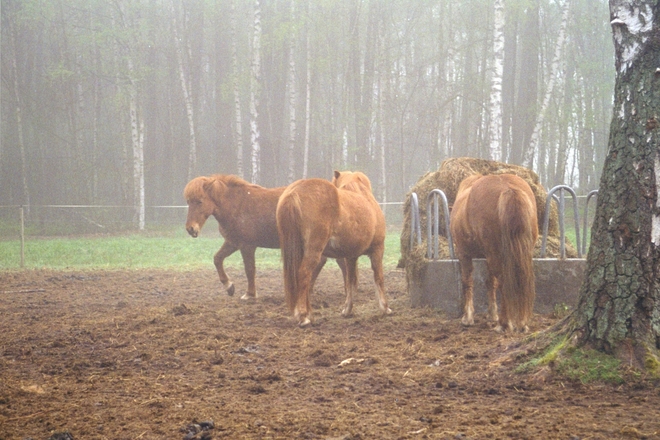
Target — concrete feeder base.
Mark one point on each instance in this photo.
(439, 286)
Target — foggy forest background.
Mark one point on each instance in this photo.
(121, 102)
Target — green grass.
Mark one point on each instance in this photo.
(577, 363)
(163, 249)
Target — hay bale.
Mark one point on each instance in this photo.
(448, 177)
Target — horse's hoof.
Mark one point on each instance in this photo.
(304, 323)
(247, 296)
(231, 290)
(499, 329)
(467, 322)
(388, 311)
(346, 312)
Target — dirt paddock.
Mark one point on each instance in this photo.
(161, 354)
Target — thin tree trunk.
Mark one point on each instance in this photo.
(292, 97)
(532, 149)
(255, 85)
(238, 117)
(495, 126)
(187, 97)
(137, 140)
(308, 99)
(18, 111)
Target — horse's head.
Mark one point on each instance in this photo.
(354, 180)
(200, 203)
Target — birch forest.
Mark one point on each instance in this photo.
(121, 102)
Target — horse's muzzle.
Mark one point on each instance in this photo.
(193, 231)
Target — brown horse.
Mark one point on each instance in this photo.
(316, 218)
(494, 217)
(246, 215)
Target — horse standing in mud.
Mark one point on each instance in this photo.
(317, 219)
(494, 217)
(245, 214)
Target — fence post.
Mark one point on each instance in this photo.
(22, 237)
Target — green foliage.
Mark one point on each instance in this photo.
(161, 249)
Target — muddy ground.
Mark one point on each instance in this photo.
(148, 354)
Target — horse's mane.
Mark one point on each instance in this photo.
(231, 180)
(195, 188)
(358, 183)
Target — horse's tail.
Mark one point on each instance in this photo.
(291, 243)
(518, 223)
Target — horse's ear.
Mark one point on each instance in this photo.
(337, 174)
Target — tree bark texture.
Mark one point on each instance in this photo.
(619, 307)
(495, 127)
(255, 88)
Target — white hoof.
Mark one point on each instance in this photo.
(467, 321)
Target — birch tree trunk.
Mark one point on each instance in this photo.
(187, 97)
(495, 126)
(532, 149)
(292, 96)
(255, 85)
(238, 117)
(619, 307)
(137, 140)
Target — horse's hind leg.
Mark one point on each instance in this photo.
(250, 271)
(303, 308)
(350, 283)
(376, 258)
(218, 259)
(491, 286)
(466, 285)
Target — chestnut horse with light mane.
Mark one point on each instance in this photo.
(342, 219)
(494, 217)
(245, 214)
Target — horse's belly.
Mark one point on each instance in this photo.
(340, 248)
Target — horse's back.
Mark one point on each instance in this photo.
(486, 205)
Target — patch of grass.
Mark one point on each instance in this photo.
(547, 357)
(588, 365)
(151, 249)
(576, 363)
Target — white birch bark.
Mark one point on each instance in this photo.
(137, 140)
(187, 98)
(532, 149)
(292, 96)
(495, 126)
(238, 116)
(255, 85)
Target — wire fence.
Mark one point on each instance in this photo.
(76, 220)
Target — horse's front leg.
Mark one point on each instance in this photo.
(376, 258)
(250, 271)
(218, 259)
(466, 285)
(318, 268)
